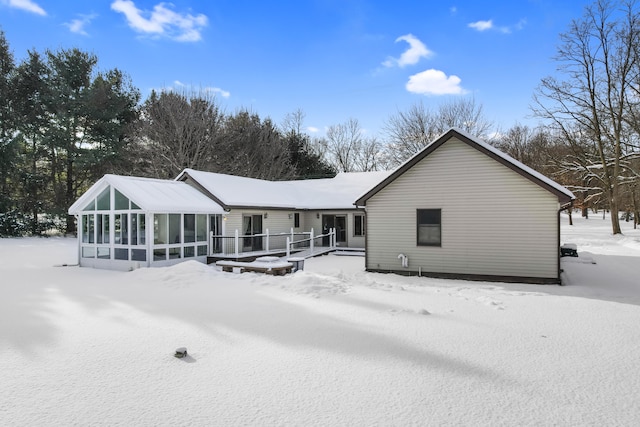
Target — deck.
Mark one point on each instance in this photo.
(251, 256)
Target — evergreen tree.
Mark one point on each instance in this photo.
(8, 151)
(30, 89)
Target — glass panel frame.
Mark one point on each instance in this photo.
(103, 201)
(174, 228)
(160, 229)
(189, 228)
(120, 201)
(201, 228)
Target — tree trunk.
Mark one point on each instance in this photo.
(634, 201)
(615, 221)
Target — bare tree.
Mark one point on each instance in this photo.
(179, 130)
(591, 106)
(293, 122)
(464, 114)
(348, 150)
(410, 131)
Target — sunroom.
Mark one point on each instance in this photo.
(128, 222)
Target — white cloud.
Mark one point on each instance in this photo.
(28, 5)
(180, 87)
(488, 25)
(313, 129)
(434, 82)
(162, 21)
(77, 25)
(481, 25)
(217, 90)
(411, 56)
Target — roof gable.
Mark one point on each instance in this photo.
(564, 196)
(151, 195)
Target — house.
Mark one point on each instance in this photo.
(454, 210)
(130, 222)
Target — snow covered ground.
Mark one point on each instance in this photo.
(331, 345)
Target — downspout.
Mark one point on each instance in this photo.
(562, 208)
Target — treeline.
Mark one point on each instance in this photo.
(64, 124)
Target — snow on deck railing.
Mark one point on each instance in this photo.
(329, 238)
(266, 242)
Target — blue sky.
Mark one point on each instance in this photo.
(333, 59)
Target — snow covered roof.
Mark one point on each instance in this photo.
(152, 195)
(328, 193)
(564, 195)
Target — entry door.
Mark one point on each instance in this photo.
(252, 225)
(339, 222)
(341, 228)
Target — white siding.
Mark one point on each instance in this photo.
(277, 221)
(494, 221)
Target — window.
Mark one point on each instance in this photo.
(88, 230)
(104, 253)
(102, 228)
(142, 229)
(103, 202)
(137, 229)
(296, 220)
(174, 253)
(134, 229)
(358, 225)
(174, 228)
(88, 252)
(138, 255)
(429, 228)
(121, 201)
(188, 252)
(189, 229)
(160, 254)
(121, 233)
(120, 253)
(201, 228)
(160, 229)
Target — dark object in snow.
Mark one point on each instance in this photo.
(181, 352)
(568, 249)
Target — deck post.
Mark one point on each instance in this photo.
(288, 245)
(210, 243)
(311, 241)
(267, 240)
(237, 243)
